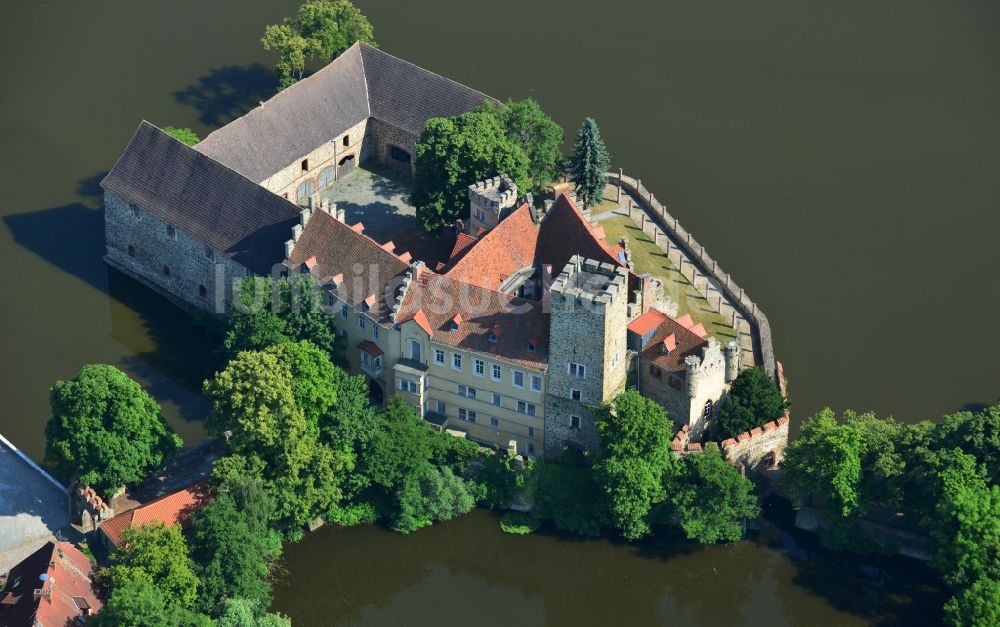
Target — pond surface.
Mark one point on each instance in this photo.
(839, 160)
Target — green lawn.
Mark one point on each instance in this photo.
(648, 257)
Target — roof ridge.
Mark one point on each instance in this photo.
(364, 77)
(364, 46)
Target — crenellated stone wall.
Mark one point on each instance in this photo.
(759, 449)
(167, 259)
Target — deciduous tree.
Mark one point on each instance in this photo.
(975, 606)
(711, 499)
(537, 134)
(158, 555)
(139, 603)
(453, 153)
(106, 430)
(633, 460)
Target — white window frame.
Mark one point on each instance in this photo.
(479, 367)
(408, 385)
(536, 383)
(440, 356)
(497, 374)
(494, 422)
(496, 399)
(456, 362)
(361, 321)
(576, 370)
(513, 378)
(575, 394)
(374, 331)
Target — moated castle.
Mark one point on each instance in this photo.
(532, 320)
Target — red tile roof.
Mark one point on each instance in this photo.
(566, 232)
(507, 248)
(685, 343)
(514, 320)
(338, 248)
(68, 590)
(647, 322)
(169, 509)
(462, 243)
(371, 348)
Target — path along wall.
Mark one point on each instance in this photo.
(693, 261)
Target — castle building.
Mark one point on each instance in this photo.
(532, 322)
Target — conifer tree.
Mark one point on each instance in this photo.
(588, 165)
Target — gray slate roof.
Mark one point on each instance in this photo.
(362, 82)
(199, 196)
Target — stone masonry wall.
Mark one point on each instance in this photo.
(585, 329)
(752, 447)
(694, 263)
(286, 181)
(383, 135)
(192, 265)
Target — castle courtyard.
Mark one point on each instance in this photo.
(378, 197)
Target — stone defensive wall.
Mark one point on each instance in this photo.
(694, 263)
(753, 451)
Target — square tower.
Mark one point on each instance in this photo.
(488, 200)
(587, 350)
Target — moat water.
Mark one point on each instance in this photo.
(838, 159)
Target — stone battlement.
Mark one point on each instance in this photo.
(590, 281)
(498, 192)
(752, 449)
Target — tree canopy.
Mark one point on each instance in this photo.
(139, 603)
(267, 311)
(158, 555)
(752, 401)
(633, 460)
(321, 29)
(711, 499)
(589, 162)
(106, 430)
(537, 134)
(453, 153)
(185, 135)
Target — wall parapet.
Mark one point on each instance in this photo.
(736, 296)
(752, 448)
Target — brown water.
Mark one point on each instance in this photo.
(839, 159)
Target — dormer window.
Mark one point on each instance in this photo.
(493, 337)
(533, 343)
(531, 347)
(457, 320)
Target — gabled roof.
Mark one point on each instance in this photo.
(566, 232)
(338, 249)
(68, 590)
(362, 82)
(685, 343)
(508, 247)
(514, 320)
(169, 509)
(203, 198)
(647, 322)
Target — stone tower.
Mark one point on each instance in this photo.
(488, 200)
(732, 351)
(587, 350)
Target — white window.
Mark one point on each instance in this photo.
(378, 363)
(456, 361)
(466, 414)
(471, 392)
(496, 399)
(329, 299)
(525, 408)
(374, 331)
(439, 356)
(517, 378)
(497, 372)
(466, 391)
(577, 370)
(461, 390)
(480, 367)
(574, 394)
(536, 383)
(495, 422)
(480, 215)
(406, 385)
(361, 321)
(574, 422)
(343, 311)
(415, 350)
